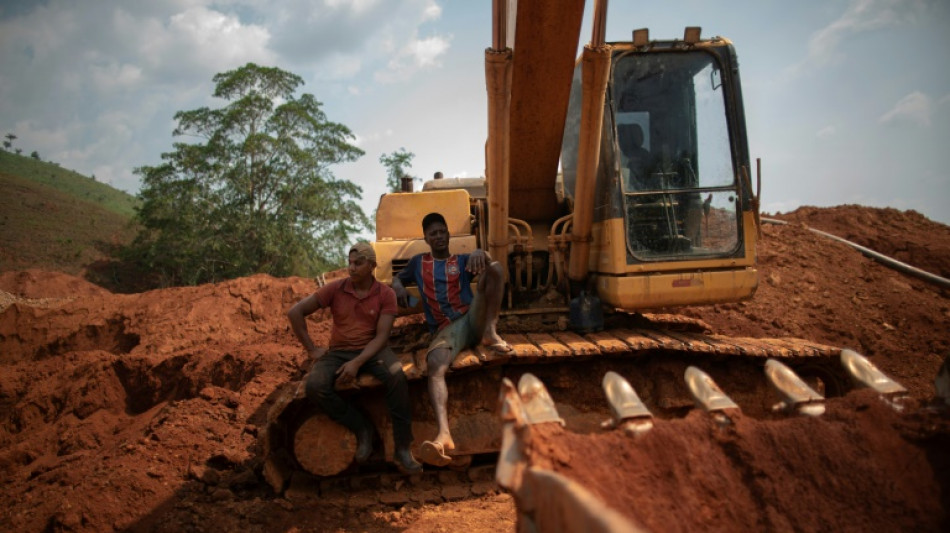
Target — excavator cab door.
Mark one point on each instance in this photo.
(671, 129)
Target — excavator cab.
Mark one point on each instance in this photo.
(673, 211)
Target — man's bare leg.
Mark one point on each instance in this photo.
(492, 286)
(438, 361)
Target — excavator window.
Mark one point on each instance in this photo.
(670, 127)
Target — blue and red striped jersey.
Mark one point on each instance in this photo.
(444, 284)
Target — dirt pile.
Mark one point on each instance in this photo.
(859, 467)
(142, 411)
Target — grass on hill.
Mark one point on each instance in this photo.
(59, 220)
(69, 182)
(41, 227)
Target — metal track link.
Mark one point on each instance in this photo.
(531, 348)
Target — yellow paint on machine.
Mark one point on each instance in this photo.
(399, 215)
(652, 285)
(399, 227)
(609, 253)
(651, 291)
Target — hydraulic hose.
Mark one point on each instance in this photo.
(889, 262)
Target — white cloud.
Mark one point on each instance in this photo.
(432, 11)
(216, 40)
(861, 16)
(357, 6)
(340, 67)
(826, 132)
(915, 108)
(427, 52)
(113, 75)
(415, 55)
(825, 44)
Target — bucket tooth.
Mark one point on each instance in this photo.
(796, 394)
(629, 412)
(538, 405)
(865, 374)
(511, 461)
(706, 393)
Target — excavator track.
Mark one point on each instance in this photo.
(304, 448)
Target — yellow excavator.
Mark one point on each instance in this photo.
(624, 176)
(616, 183)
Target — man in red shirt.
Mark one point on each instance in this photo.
(363, 312)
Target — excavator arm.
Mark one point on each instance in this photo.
(545, 51)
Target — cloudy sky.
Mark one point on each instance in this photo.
(847, 101)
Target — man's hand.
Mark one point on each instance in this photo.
(477, 262)
(402, 295)
(346, 374)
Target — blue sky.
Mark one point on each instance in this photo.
(847, 101)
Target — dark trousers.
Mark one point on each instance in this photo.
(386, 367)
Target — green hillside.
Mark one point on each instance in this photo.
(69, 182)
(56, 219)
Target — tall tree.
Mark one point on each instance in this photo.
(396, 164)
(255, 193)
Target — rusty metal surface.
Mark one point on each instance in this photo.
(295, 439)
(545, 49)
(551, 502)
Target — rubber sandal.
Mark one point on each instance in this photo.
(500, 348)
(432, 453)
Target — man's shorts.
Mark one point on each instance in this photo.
(464, 332)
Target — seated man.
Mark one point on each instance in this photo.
(456, 318)
(363, 312)
(630, 138)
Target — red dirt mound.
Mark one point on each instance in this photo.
(142, 411)
(859, 467)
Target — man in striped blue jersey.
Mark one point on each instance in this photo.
(457, 318)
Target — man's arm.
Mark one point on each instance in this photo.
(297, 316)
(402, 295)
(406, 275)
(351, 368)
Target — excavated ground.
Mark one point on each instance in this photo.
(141, 412)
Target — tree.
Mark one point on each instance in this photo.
(256, 193)
(35, 155)
(9, 142)
(396, 164)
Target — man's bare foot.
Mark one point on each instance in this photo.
(496, 344)
(446, 441)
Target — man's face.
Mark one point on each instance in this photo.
(359, 267)
(437, 237)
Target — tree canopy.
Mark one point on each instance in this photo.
(396, 164)
(255, 193)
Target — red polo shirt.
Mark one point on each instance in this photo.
(355, 318)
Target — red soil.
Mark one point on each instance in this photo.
(142, 411)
